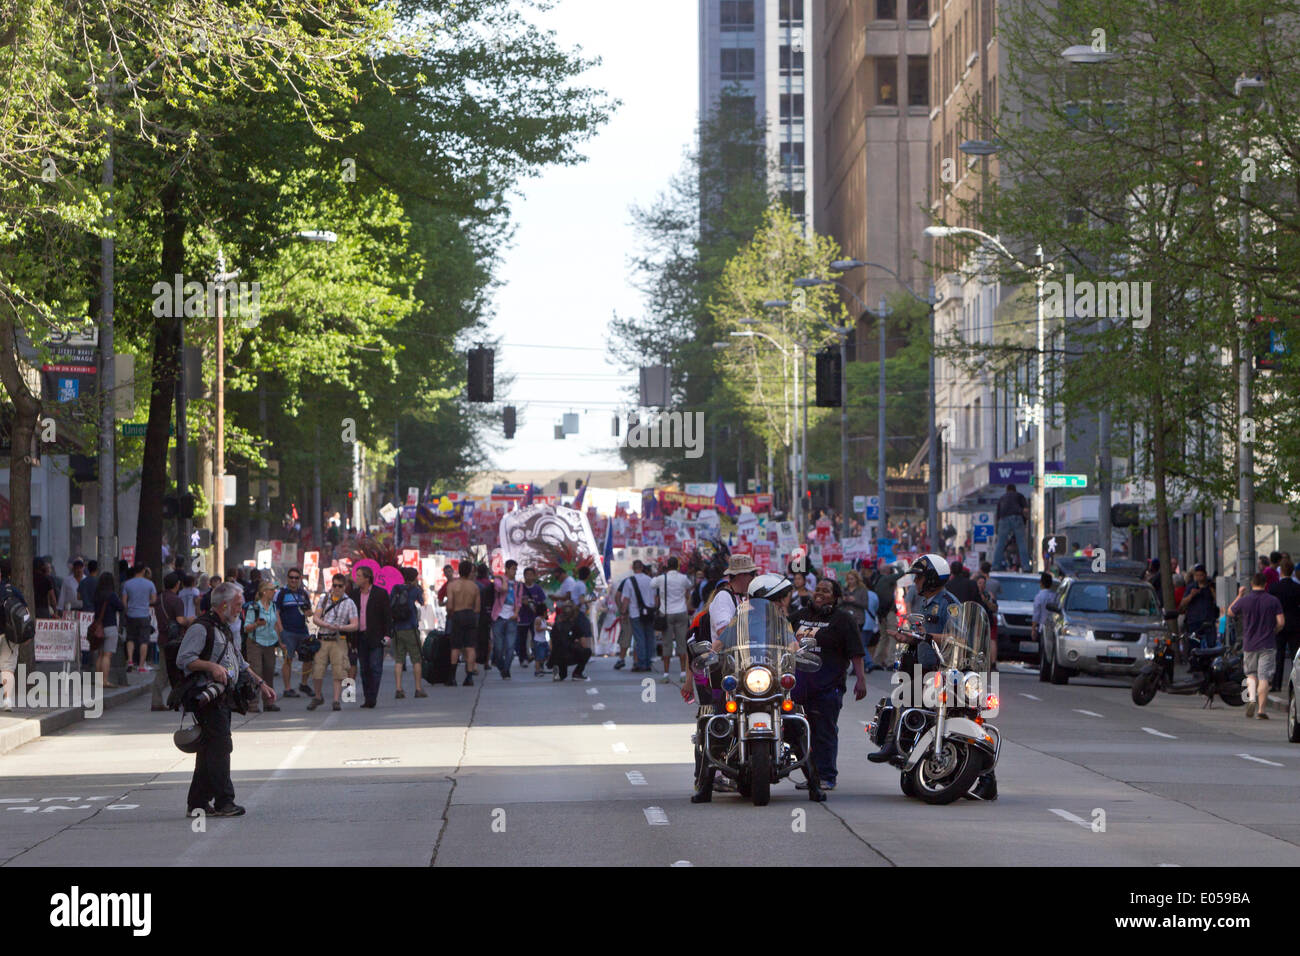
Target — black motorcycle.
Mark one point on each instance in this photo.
(1210, 671)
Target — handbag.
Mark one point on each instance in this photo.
(95, 633)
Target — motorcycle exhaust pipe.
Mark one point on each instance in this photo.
(719, 727)
(914, 720)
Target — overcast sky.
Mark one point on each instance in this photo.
(566, 272)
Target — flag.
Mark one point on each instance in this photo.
(528, 496)
(607, 552)
(577, 502)
(723, 500)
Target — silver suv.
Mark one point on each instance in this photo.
(1099, 624)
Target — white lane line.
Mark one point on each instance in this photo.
(1155, 733)
(636, 778)
(1030, 696)
(1260, 760)
(682, 863)
(1168, 864)
(610, 725)
(1067, 815)
(620, 748)
(656, 817)
(597, 706)
(1090, 713)
(592, 690)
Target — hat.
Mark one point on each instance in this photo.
(740, 564)
(1199, 567)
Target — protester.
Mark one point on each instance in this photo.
(462, 618)
(1011, 515)
(571, 642)
(374, 631)
(636, 596)
(173, 622)
(406, 599)
(670, 597)
(261, 625)
(541, 645)
(46, 601)
(1287, 593)
(570, 588)
(864, 605)
(211, 789)
(1038, 620)
(336, 617)
(1261, 619)
(486, 595)
(293, 607)
(70, 590)
(140, 595)
(1201, 613)
(109, 613)
(507, 598)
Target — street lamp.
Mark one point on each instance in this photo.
(219, 465)
(1040, 410)
(1084, 53)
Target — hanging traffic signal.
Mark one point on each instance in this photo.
(187, 506)
(829, 371)
(170, 506)
(480, 374)
(508, 419)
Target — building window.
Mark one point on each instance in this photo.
(918, 81)
(738, 64)
(791, 61)
(886, 69)
(792, 155)
(737, 15)
(886, 9)
(918, 9)
(791, 13)
(791, 107)
(794, 201)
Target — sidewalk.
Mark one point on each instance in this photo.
(24, 724)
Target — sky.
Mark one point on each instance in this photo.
(566, 271)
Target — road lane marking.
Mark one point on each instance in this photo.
(1155, 733)
(682, 863)
(1067, 815)
(620, 748)
(610, 725)
(1260, 760)
(592, 690)
(1090, 713)
(636, 778)
(597, 706)
(1030, 696)
(1168, 864)
(655, 816)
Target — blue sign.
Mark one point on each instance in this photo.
(68, 390)
(885, 549)
(873, 508)
(1017, 472)
(983, 527)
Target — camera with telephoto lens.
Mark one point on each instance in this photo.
(205, 695)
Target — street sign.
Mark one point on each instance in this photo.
(138, 429)
(1065, 481)
(859, 502)
(818, 477)
(983, 527)
(873, 508)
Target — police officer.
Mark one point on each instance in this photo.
(837, 640)
(223, 665)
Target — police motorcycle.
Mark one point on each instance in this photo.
(943, 742)
(747, 727)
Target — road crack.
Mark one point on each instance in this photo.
(451, 791)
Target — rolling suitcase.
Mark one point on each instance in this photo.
(437, 657)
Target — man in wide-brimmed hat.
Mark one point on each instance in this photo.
(722, 608)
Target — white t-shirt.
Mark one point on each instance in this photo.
(722, 608)
(671, 589)
(69, 598)
(573, 589)
(646, 587)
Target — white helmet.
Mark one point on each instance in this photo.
(770, 586)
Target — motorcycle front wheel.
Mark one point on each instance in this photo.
(760, 774)
(947, 772)
(1145, 686)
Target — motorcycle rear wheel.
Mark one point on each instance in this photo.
(967, 766)
(760, 775)
(1145, 686)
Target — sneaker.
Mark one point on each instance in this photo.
(189, 811)
(315, 702)
(272, 707)
(400, 695)
(420, 693)
(229, 810)
(130, 668)
(6, 706)
(336, 706)
(619, 664)
(666, 680)
(1250, 709)
(144, 668)
(468, 681)
(157, 707)
(579, 677)
(290, 693)
(306, 690)
(505, 677)
(557, 676)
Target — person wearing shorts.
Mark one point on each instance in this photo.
(8, 665)
(462, 612)
(1259, 617)
(336, 615)
(406, 637)
(541, 645)
(293, 604)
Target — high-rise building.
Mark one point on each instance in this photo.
(753, 52)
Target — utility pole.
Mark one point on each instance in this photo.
(182, 446)
(845, 500)
(219, 465)
(932, 489)
(107, 523)
(881, 523)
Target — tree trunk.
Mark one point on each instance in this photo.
(27, 409)
(153, 472)
(1164, 548)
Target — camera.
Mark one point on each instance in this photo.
(206, 695)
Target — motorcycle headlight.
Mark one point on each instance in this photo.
(972, 687)
(758, 680)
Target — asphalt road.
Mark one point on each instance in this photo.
(531, 772)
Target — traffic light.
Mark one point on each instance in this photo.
(508, 417)
(1124, 516)
(171, 508)
(829, 371)
(187, 506)
(480, 374)
(204, 537)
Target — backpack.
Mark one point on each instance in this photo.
(183, 683)
(701, 627)
(19, 625)
(402, 605)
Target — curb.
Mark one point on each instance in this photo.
(26, 729)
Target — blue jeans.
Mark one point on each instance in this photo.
(823, 712)
(1014, 525)
(643, 642)
(504, 633)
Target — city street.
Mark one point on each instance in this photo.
(534, 773)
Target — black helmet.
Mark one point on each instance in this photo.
(929, 571)
(187, 739)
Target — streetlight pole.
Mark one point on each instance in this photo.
(845, 500)
(881, 522)
(932, 484)
(219, 465)
(1245, 371)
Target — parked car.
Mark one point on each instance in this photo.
(1069, 566)
(1099, 624)
(1292, 718)
(1015, 616)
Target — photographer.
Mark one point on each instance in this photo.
(210, 653)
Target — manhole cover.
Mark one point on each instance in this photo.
(372, 762)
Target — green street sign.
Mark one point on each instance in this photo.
(1055, 480)
(138, 429)
(819, 477)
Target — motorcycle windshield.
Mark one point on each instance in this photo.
(966, 638)
(759, 634)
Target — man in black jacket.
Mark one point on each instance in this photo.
(373, 632)
(571, 642)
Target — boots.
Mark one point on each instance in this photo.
(885, 753)
(704, 791)
(986, 788)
